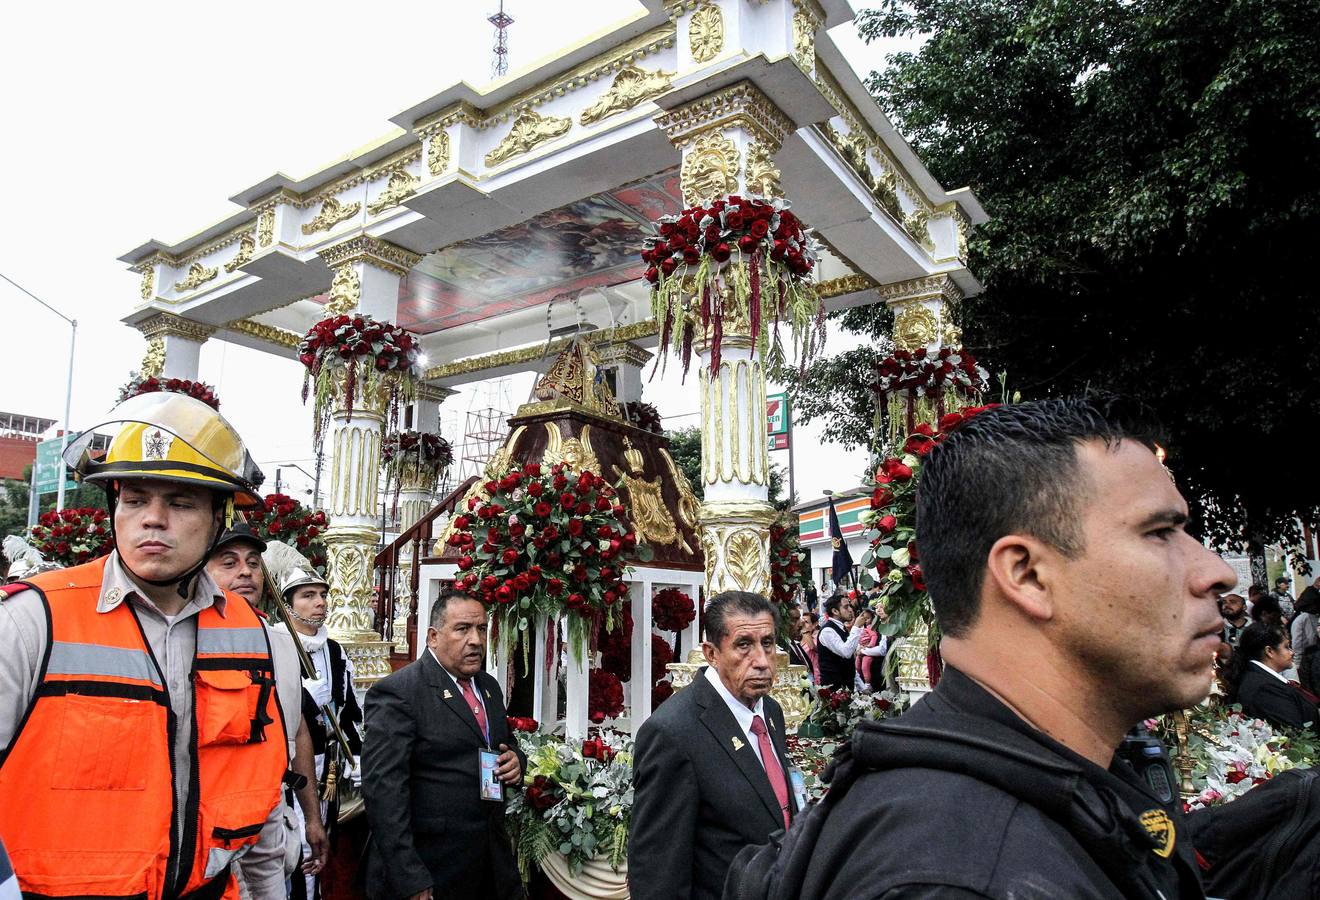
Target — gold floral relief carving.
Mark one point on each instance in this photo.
(148, 287)
(266, 227)
(437, 152)
(631, 86)
(345, 291)
(247, 245)
(710, 548)
(706, 33)
(402, 184)
(710, 168)
(950, 333)
(762, 175)
(804, 39)
(153, 362)
(198, 275)
(917, 224)
(743, 558)
(529, 130)
(332, 213)
(915, 326)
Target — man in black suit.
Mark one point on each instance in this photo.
(710, 771)
(433, 836)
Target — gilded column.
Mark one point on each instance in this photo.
(367, 272)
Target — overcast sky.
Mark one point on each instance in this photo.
(135, 120)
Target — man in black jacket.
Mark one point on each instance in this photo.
(1073, 605)
(433, 834)
(711, 773)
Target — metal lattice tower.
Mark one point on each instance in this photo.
(501, 20)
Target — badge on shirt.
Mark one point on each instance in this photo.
(1160, 827)
(488, 762)
(447, 695)
(737, 744)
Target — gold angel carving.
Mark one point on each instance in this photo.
(576, 453)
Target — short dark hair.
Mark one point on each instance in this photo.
(1265, 606)
(1252, 643)
(1010, 470)
(1282, 578)
(731, 603)
(441, 605)
(832, 604)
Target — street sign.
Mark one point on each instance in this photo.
(776, 442)
(48, 467)
(776, 415)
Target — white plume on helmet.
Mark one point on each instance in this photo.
(24, 559)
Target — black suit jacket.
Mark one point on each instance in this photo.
(430, 828)
(701, 795)
(1265, 697)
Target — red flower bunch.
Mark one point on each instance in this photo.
(662, 691)
(414, 451)
(596, 748)
(71, 537)
(284, 519)
(604, 696)
(661, 655)
(716, 262)
(546, 544)
(543, 793)
(789, 573)
(616, 647)
(921, 374)
(195, 389)
(643, 415)
(366, 350)
(672, 610)
(520, 723)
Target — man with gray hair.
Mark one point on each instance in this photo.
(711, 772)
(436, 830)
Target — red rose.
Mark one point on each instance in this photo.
(465, 563)
(550, 533)
(535, 489)
(618, 509)
(1235, 776)
(583, 508)
(489, 583)
(509, 557)
(541, 510)
(733, 221)
(918, 579)
(721, 252)
(568, 501)
(602, 503)
(746, 243)
(606, 573)
(886, 525)
(504, 594)
(580, 572)
(760, 228)
(532, 470)
(554, 586)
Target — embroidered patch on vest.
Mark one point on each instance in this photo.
(1160, 827)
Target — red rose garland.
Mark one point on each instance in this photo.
(71, 537)
(367, 350)
(604, 696)
(282, 518)
(546, 544)
(672, 610)
(918, 386)
(788, 572)
(195, 389)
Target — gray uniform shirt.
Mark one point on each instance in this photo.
(24, 636)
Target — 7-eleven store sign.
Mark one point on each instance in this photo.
(813, 524)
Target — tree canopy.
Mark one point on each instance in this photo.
(685, 448)
(1148, 169)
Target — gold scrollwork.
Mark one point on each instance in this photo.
(247, 245)
(689, 507)
(710, 168)
(332, 213)
(915, 326)
(917, 224)
(631, 86)
(148, 287)
(153, 362)
(198, 275)
(402, 184)
(345, 291)
(762, 175)
(646, 503)
(529, 130)
(950, 333)
(266, 227)
(804, 39)
(269, 333)
(706, 33)
(576, 453)
(437, 152)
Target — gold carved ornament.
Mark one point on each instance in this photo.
(153, 362)
(706, 33)
(437, 152)
(915, 326)
(762, 175)
(402, 184)
(743, 558)
(631, 86)
(529, 130)
(917, 224)
(575, 453)
(710, 168)
(646, 503)
(804, 39)
(496, 467)
(951, 334)
(689, 507)
(148, 283)
(266, 227)
(576, 376)
(345, 291)
(247, 245)
(198, 275)
(332, 213)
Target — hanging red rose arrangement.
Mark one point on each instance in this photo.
(70, 537)
(672, 610)
(414, 452)
(195, 389)
(742, 262)
(282, 518)
(547, 544)
(368, 355)
(916, 387)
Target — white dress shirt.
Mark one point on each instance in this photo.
(1277, 675)
(830, 640)
(476, 688)
(741, 712)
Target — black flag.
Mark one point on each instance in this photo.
(842, 569)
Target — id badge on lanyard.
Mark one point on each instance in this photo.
(488, 762)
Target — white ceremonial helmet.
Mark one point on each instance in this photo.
(297, 578)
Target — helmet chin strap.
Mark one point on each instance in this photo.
(308, 622)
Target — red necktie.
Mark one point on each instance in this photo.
(773, 770)
(474, 703)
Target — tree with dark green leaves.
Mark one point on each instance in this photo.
(685, 448)
(1148, 167)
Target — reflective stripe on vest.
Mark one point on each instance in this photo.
(86, 788)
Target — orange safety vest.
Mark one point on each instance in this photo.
(87, 800)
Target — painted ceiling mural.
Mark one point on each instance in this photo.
(593, 242)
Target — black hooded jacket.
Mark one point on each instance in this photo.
(970, 801)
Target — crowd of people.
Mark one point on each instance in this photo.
(162, 740)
